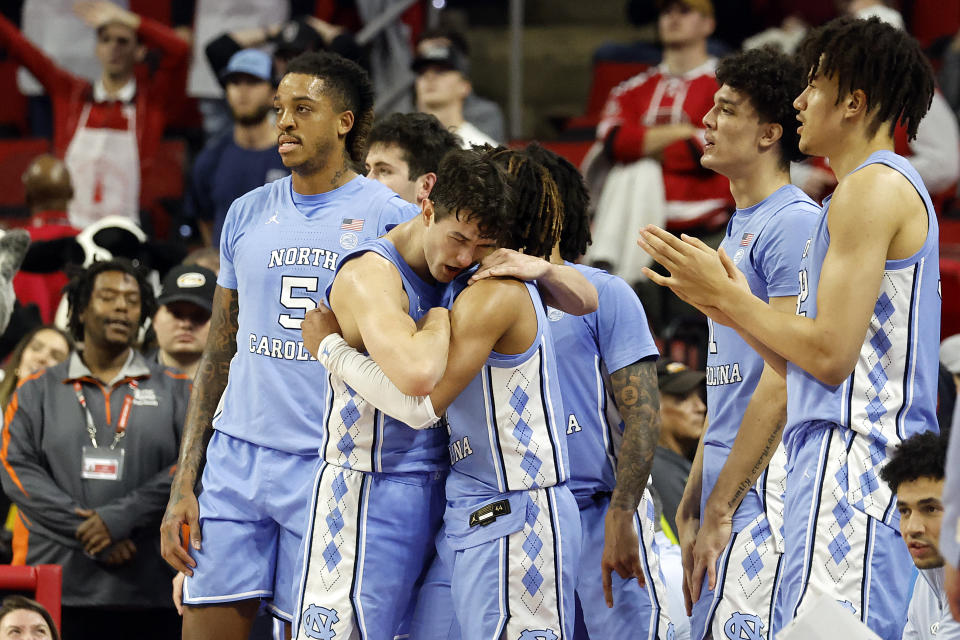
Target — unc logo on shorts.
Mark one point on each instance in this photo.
(539, 634)
(671, 631)
(318, 622)
(349, 240)
(743, 626)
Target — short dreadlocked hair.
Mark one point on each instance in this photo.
(420, 136)
(80, 288)
(880, 60)
(771, 80)
(349, 85)
(574, 196)
(921, 456)
(469, 183)
(537, 214)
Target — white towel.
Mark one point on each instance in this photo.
(632, 197)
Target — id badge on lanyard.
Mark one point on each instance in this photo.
(103, 463)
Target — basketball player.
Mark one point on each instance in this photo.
(372, 463)
(279, 247)
(509, 519)
(404, 151)
(861, 352)
(608, 382)
(751, 139)
(585, 385)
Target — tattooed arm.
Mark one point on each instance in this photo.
(638, 401)
(208, 386)
(760, 432)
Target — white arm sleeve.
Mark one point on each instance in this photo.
(366, 377)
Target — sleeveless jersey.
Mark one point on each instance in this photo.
(506, 427)
(892, 392)
(360, 437)
(593, 346)
(765, 241)
(278, 250)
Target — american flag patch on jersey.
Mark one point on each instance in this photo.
(745, 240)
(352, 224)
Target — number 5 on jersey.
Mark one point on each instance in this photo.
(288, 285)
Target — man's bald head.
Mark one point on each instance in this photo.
(47, 184)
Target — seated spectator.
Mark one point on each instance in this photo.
(915, 474)
(652, 133)
(484, 114)
(41, 348)
(49, 191)
(108, 132)
(211, 19)
(404, 151)
(90, 446)
(182, 320)
(442, 87)
(23, 618)
(244, 158)
(682, 413)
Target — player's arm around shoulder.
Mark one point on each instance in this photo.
(368, 294)
(481, 315)
(869, 221)
(562, 286)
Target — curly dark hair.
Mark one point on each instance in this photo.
(349, 85)
(537, 212)
(80, 288)
(574, 196)
(420, 136)
(470, 181)
(880, 60)
(18, 603)
(921, 456)
(771, 80)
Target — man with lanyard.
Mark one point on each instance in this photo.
(89, 451)
(108, 131)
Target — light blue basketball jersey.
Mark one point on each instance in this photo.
(593, 346)
(892, 392)
(360, 437)
(278, 250)
(765, 241)
(506, 427)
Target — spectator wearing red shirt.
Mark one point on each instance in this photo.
(108, 132)
(650, 140)
(658, 114)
